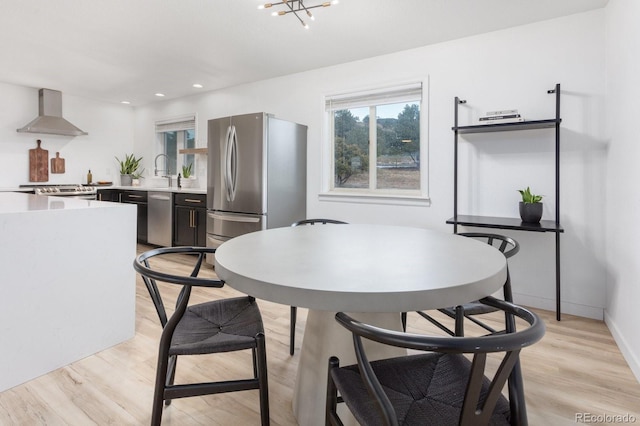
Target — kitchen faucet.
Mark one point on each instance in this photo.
(166, 165)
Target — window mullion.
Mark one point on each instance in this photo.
(373, 148)
(332, 132)
(182, 143)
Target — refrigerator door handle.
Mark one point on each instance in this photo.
(234, 218)
(226, 164)
(232, 162)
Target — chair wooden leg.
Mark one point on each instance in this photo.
(158, 393)
(171, 374)
(332, 394)
(517, 403)
(515, 384)
(403, 318)
(459, 321)
(292, 333)
(261, 361)
(254, 356)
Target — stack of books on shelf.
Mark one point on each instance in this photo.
(498, 117)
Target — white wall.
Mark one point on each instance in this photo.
(507, 69)
(622, 174)
(110, 129)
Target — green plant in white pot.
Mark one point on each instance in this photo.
(128, 168)
(530, 206)
(187, 173)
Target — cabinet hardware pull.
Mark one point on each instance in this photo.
(191, 200)
(134, 196)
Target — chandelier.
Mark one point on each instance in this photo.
(295, 7)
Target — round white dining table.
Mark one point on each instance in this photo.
(373, 272)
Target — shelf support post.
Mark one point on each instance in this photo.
(457, 101)
(556, 91)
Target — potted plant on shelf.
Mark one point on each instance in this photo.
(530, 206)
(187, 173)
(128, 168)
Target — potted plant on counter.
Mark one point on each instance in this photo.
(128, 168)
(187, 173)
(530, 206)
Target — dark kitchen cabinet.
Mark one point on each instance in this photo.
(190, 220)
(139, 198)
(108, 195)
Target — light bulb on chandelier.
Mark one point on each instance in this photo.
(295, 6)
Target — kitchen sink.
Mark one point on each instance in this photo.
(157, 182)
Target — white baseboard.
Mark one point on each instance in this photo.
(625, 349)
(592, 312)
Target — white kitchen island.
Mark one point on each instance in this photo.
(67, 285)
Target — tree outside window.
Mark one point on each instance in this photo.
(376, 147)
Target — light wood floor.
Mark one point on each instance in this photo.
(576, 368)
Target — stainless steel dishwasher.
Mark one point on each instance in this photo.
(160, 218)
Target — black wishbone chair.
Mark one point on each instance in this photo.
(294, 309)
(509, 247)
(438, 387)
(223, 325)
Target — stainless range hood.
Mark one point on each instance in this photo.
(49, 119)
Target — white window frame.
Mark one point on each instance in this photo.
(176, 124)
(371, 97)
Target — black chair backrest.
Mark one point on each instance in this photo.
(506, 245)
(508, 343)
(149, 275)
(318, 221)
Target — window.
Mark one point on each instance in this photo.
(375, 140)
(173, 136)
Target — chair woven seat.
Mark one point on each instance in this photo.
(219, 326)
(424, 389)
(471, 308)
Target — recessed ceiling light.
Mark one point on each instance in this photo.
(125, 102)
(160, 94)
(197, 85)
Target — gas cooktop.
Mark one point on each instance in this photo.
(60, 189)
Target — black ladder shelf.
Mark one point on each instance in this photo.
(504, 222)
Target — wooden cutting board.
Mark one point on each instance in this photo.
(38, 164)
(57, 164)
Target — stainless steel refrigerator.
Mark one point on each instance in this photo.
(257, 175)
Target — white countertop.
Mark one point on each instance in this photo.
(15, 189)
(151, 188)
(13, 202)
(128, 188)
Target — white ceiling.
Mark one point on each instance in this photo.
(114, 50)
